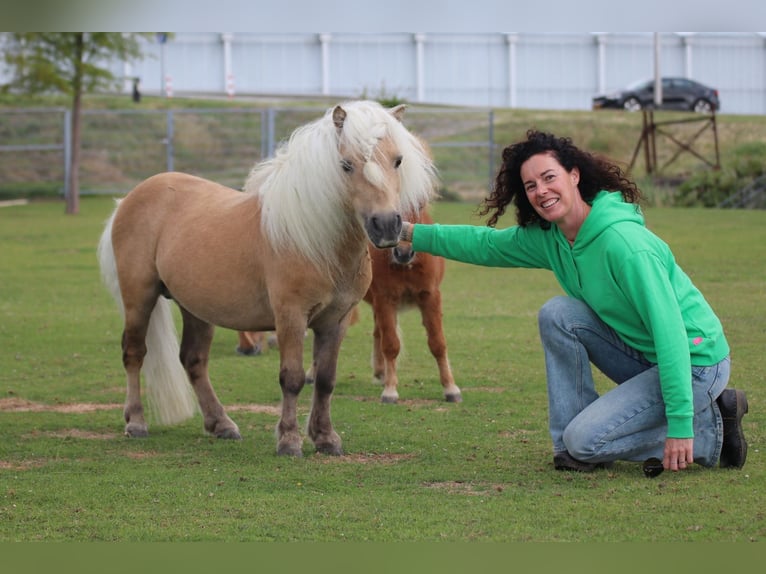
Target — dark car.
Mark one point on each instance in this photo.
(677, 94)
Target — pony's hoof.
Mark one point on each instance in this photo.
(135, 430)
(252, 352)
(330, 449)
(289, 449)
(328, 443)
(231, 434)
(453, 398)
(389, 400)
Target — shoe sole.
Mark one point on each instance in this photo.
(741, 411)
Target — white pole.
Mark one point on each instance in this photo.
(601, 43)
(324, 39)
(420, 67)
(228, 72)
(512, 39)
(657, 74)
(688, 69)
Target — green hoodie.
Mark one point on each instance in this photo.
(622, 271)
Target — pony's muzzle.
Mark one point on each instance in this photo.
(402, 254)
(383, 230)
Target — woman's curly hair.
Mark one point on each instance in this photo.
(596, 174)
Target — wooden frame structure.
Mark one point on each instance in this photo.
(648, 140)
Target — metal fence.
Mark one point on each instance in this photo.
(121, 148)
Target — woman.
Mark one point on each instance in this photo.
(629, 309)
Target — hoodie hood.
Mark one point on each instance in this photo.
(608, 209)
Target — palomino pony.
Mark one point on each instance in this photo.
(306, 216)
(402, 278)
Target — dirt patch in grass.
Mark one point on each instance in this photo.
(77, 433)
(16, 405)
(260, 409)
(24, 465)
(469, 488)
(366, 458)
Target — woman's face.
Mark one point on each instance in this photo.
(552, 190)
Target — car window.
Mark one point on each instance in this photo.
(640, 85)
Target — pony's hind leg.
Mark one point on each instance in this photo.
(326, 351)
(431, 312)
(133, 353)
(139, 305)
(251, 343)
(195, 350)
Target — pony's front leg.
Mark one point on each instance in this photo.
(195, 350)
(388, 345)
(326, 351)
(378, 365)
(292, 377)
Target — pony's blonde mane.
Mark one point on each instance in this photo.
(303, 188)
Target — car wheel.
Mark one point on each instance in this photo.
(702, 107)
(632, 104)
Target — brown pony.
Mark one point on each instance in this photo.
(306, 216)
(402, 278)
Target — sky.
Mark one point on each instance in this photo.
(380, 16)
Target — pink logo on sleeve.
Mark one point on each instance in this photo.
(697, 341)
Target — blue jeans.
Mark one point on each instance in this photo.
(627, 422)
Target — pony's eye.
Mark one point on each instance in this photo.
(347, 166)
(397, 161)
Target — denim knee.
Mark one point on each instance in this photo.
(578, 442)
(553, 311)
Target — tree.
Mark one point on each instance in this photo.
(72, 63)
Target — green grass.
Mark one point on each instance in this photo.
(422, 470)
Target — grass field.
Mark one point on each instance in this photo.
(421, 470)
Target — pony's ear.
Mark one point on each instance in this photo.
(338, 117)
(398, 111)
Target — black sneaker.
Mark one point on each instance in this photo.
(565, 461)
(733, 406)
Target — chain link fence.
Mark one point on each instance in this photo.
(121, 148)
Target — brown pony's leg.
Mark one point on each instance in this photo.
(326, 350)
(431, 312)
(251, 343)
(378, 364)
(195, 349)
(386, 348)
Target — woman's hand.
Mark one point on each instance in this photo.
(679, 453)
(406, 233)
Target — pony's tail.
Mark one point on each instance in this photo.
(170, 396)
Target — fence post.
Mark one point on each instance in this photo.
(270, 117)
(169, 141)
(264, 134)
(491, 146)
(67, 151)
